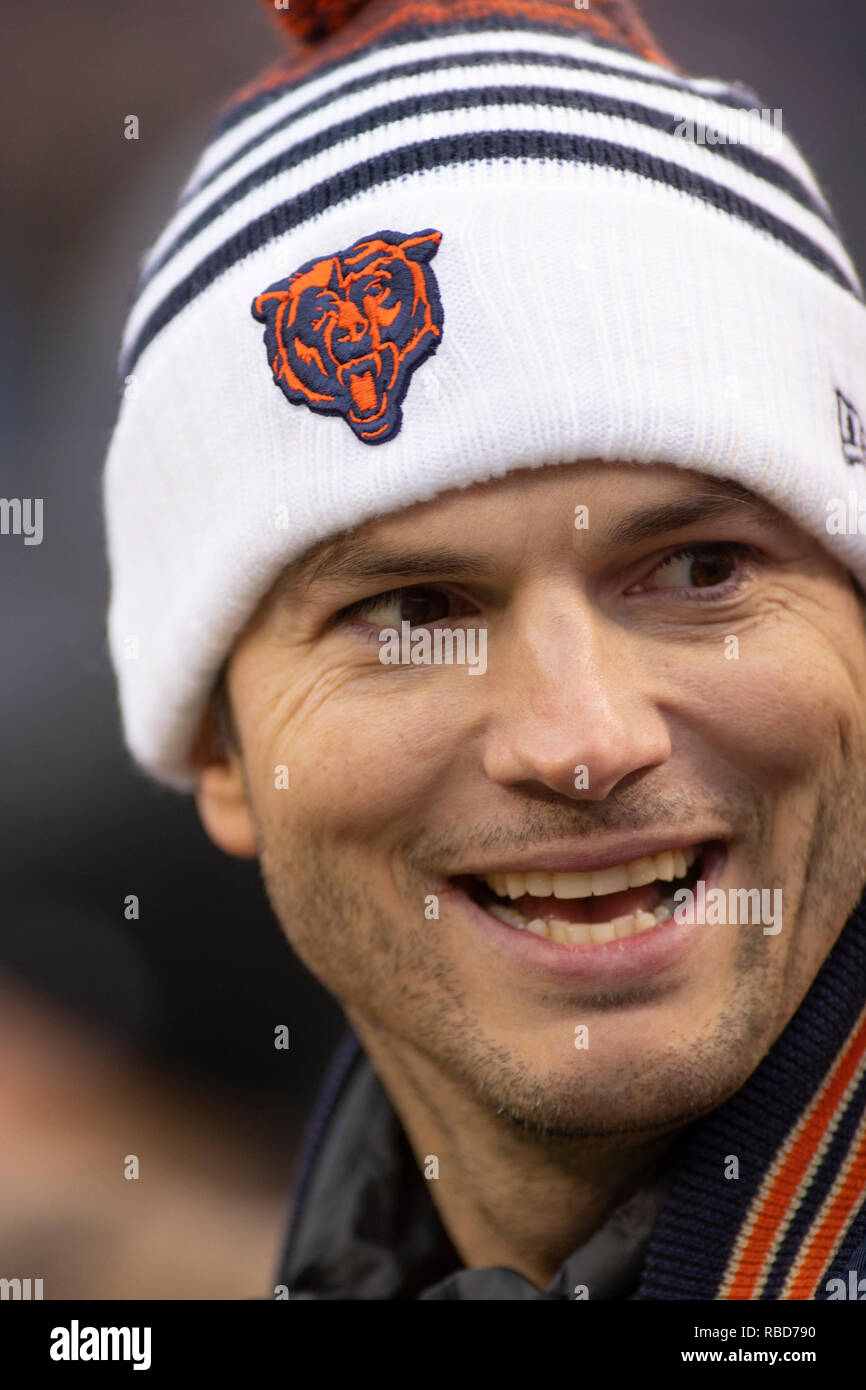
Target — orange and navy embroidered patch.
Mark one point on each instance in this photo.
(345, 332)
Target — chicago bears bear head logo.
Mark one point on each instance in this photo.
(345, 332)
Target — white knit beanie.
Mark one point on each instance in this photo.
(445, 240)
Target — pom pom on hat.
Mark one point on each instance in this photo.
(313, 21)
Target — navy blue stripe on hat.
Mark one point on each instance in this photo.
(733, 95)
(734, 101)
(461, 99)
(452, 150)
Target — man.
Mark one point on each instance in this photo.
(480, 517)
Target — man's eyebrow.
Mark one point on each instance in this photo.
(348, 559)
(720, 500)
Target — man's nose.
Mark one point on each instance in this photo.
(574, 704)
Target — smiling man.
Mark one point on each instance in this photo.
(454, 333)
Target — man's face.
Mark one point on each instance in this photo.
(685, 673)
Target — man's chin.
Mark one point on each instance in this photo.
(563, 1120)
(638, 1092)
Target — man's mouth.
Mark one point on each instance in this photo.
(594, 907)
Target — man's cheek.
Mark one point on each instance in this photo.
(735, 710)
(356, 768)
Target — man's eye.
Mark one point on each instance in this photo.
(419, 606)
(700, 567)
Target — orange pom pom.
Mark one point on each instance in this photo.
(313, 20)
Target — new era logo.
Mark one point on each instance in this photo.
(851, 430)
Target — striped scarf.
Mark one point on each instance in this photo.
(794, 1218)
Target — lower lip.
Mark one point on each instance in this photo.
(641, 956)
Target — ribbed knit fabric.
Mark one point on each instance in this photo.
(479, 237)
(791, 1221)
(797, 1212)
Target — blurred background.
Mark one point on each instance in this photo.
(155, 1036)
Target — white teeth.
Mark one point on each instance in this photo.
(572, 885)
(665, 866)
(582, 933)
(609, 881)
(558, 931)
(539, 885)
(668, 865)
(641, 871)
(515, 885)
(600, 932)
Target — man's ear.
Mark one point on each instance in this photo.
(220, 793)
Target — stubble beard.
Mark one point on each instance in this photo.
(393, 973)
